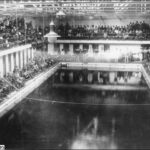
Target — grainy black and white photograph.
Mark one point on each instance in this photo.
(74, 74)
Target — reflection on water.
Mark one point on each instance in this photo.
(44, 125)
(89, 141)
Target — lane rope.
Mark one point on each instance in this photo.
(77, 103)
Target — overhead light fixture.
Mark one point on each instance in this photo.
(60, 14)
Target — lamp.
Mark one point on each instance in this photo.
(52, 36)
(60, 14)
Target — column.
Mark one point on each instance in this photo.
(90, 48)
(21, 59)
(90, 77)
(29, 54)
(112, 76)
(32, 51)
(7, 63)
(12, 62)
(81, 46)
(90, 52)
(1, 67)
(25, 56)
(141, 56)
(71, 49)
(71, 77)
(61, 48)
(17, 59)
(101, 48)
(51, 49)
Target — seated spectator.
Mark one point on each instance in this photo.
(137, 30)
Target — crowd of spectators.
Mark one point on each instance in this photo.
(16, 79)
(15, 31)
(133, 31)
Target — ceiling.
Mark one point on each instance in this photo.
(94, 8)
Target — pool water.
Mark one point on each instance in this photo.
(42, 123)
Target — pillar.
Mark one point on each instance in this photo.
(141, 56)
(62, 76)
(71, 49)
(112, 76)
(100, 80)
(61, 48)
(29, 54)
(1, 67)
(95, 123)
(101, 48)
(90, 48)
(25, 56)
(126, 58)
(7, 63)
(71, 77)
(81, 46)
(17, 59)
(32, 53)
(51, 49)
(21, 59)
(90, 52)
(90, 77)
(12, 62)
